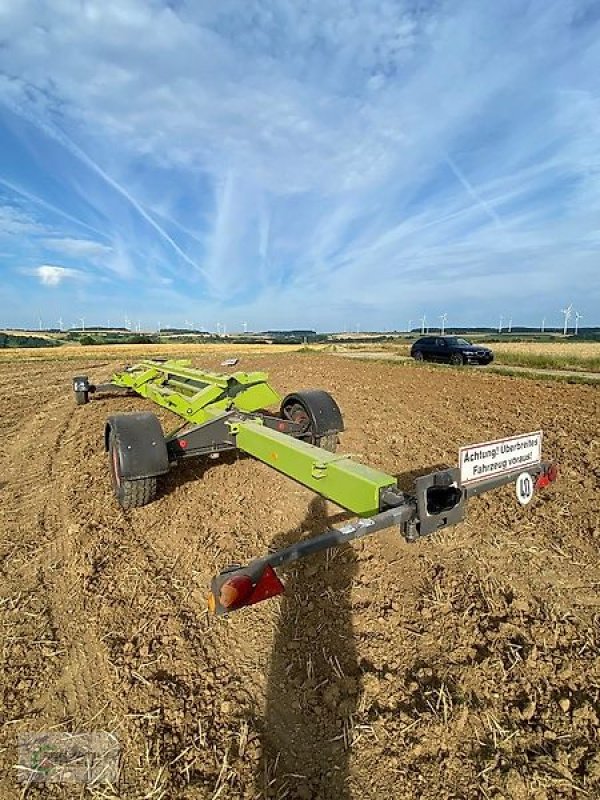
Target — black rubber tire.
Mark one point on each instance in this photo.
(418, 356)
(329, 442)
(129, 493)
(81, 398)
(457, 360)
(297, 413)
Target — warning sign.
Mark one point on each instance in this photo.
(486, 460)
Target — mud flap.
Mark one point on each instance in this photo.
(141, 444)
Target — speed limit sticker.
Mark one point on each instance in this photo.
(524, 488)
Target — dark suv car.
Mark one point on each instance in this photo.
(451, 350)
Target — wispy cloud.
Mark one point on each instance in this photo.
(283, 161)
(79, 248)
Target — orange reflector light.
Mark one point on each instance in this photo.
(239, 590)
(211, 603)
(235, 591)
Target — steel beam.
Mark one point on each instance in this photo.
(351, 485)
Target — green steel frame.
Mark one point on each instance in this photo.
(193, 394)
(200, 397)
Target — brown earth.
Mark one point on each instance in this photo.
(464, 666)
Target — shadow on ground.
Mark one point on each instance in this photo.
(314, 677)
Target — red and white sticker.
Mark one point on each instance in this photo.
(489, 459)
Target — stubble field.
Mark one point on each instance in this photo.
(464, 666)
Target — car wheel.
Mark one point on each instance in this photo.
(457, 359)
(418, 356)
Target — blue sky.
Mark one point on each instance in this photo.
(299, 163)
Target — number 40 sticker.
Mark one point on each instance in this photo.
(524, 488)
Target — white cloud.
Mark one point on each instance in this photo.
(52, 275)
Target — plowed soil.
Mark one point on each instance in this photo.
(463, 666)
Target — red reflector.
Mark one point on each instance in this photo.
(183, 443)
(548, 477)
(239, 591)
(268, 585)
(235, 591)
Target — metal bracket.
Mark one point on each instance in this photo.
(440, 500)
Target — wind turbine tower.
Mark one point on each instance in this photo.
(423, 321)
(500, 324)
(510, 325)
(578, 316)
(543, 328)
(567, 312)
(443, 319)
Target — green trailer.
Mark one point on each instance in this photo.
(225, 412)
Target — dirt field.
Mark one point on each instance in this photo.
(464, 666)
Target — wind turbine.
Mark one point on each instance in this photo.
(543, 328)
(423, 321)
(82, 320)
(245, 326)
(567, 312)
(409, 325)
(510, 325)
(578, 316)
(500, 324)
(60, 323)
(444, 319)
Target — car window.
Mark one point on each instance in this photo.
(457, 341)
(441, 342)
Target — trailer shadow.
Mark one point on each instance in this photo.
(314, 677)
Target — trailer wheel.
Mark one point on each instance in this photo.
(329, 442)
(129, 493)
(306, 408)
